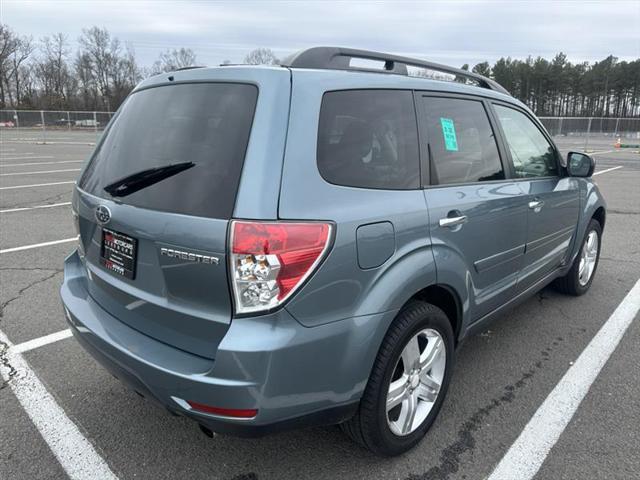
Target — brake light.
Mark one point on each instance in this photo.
(270, 260)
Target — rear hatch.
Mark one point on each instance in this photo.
(154, 205)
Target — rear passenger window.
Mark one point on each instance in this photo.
(369, 139)
(532, 154)
(462, 144)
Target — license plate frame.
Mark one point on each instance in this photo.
(118, 253)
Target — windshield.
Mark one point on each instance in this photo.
(204, 125)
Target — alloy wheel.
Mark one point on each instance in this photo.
(416, 381)
(588, 258)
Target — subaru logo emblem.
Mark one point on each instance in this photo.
(103, 214)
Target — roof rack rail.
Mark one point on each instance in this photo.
(337, 58)
(188, 68)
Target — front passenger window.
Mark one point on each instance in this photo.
(532, 154)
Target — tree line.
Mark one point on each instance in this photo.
(47, 74)
(557, 87)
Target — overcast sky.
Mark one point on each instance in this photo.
(453, 32)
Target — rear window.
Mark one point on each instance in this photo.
(206, 124)
(369, 139)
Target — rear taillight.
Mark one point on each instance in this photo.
(270, 260)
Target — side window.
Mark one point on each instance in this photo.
(462, 144)
(532, 154)
(369, 139)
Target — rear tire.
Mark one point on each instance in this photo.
(578, 279)
(403, 396)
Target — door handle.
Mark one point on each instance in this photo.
(536, 205)
(453, 221)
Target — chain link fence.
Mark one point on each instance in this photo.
(593, 132)
(46, 126)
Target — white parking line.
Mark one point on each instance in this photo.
(26, 158)
(607, 170)
(24, 209)
(42, 341)
(38, 163)
(36, 185)
(75, 453)
(602, 152)
(528, 452)
(39, 172)
(38, 245)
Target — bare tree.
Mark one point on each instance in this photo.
(261, 56)
(125, 76)
(7, 47)
(87, 91)
(173, 60)
(14, 51)
(53, 72)
(105, 69)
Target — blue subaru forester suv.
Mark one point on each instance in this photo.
(263, 248)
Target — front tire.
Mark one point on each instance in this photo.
(408, 382)
(579, 278)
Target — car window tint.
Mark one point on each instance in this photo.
(369, 139)
(531, 153)
(208, 124)
(461, 142)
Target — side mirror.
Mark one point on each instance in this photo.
(580, 164)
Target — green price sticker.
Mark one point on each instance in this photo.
(449, 134)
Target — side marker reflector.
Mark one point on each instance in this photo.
(225, 412)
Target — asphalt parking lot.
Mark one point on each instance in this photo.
(502, 376)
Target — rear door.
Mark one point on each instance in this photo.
(477, 215)
(154, 204)
(552, 199)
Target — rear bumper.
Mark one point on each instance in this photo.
(293, 375)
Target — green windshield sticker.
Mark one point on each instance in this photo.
(449, 134)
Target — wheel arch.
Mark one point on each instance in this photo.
(445, 298)
(600, 215)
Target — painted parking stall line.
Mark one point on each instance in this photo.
(42, 341)
(27, 158)
(14, 187)
(74, 452)
(30, 164)
(531, 448)
(38, 245)
(37, 207)
(41, 172)
(602, 152)
(607, 170)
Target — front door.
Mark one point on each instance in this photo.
(552, 199)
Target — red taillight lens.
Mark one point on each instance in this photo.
(271, 259)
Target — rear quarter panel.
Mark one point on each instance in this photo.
(340, 288)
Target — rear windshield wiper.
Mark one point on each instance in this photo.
(137, 181)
